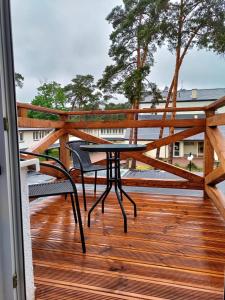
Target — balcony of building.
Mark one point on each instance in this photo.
(174, 248)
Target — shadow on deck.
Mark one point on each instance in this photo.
(175, 249)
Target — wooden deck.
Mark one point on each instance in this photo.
(175, 249)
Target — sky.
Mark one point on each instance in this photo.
(56, 40)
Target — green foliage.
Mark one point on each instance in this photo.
(114, 106)
(194, 167)
(155, 93)
(201, 21)
(82, 93)
(50, 95)
(19, 79)
(137, 31)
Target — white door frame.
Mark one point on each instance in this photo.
(12, 283)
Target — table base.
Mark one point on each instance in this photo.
(113, 159)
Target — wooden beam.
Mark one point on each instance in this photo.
(175, 137)
(107, 112)
(47, 141)
(87, 137)
(22, 112)
(208, 152)
(217, 197)
(40, 108)
(218, 142)
(133, 111)
(216, 176)
(163, 166)
(38, 123)
(184, 123)
(64, 153)
(147, 182)
(51, 172)
(217, 104)
(216, 120)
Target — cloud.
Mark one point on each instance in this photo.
(55, 40)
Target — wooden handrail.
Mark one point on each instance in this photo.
(107, 112)
(181, 123)
(133, 111)
(40, 108)
(217, 104)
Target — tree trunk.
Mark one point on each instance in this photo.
(174, 101)
(135, 137)
(179, 59)
(164, 115)
(130, 142)
(172, 85)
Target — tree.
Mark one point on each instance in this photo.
(192, 23)
(50, 95)
(114, 106)
(155, 94)
(19, 79)
(137, 31)
(83, 94)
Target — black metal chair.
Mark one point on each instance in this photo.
(82, 162)
(62, 187)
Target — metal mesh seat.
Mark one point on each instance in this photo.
(50, 189)
(82, 162)
(62, 187)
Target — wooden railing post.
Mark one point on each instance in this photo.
(22, 112)
(208, 151)
(64, 152)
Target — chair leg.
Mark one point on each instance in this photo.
(73, 206)
(84, 194)
(80, 223)
(66, 196)
(95, 181)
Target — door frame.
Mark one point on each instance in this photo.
(12, 283)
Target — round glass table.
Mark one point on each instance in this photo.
(113, 162)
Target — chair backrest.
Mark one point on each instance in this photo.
(84, 155)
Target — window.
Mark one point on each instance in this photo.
(21, 137)
(114, 131)
(200, 148)
(39, 134)
(36, 135)
(176, 149)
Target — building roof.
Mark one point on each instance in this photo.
(151, 134)
(192, 95)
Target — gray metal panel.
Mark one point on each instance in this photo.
(186, 95)
(11, 239)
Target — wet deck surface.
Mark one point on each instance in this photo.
(174, 249)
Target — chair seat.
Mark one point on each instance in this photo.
(50, 188)
(91, 168)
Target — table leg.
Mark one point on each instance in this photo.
(109, 158)
(117, 181)
(106, 192)
(129, 198)
(118, 188)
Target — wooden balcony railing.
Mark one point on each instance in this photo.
(214, 141)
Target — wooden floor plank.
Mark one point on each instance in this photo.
(175, 249)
